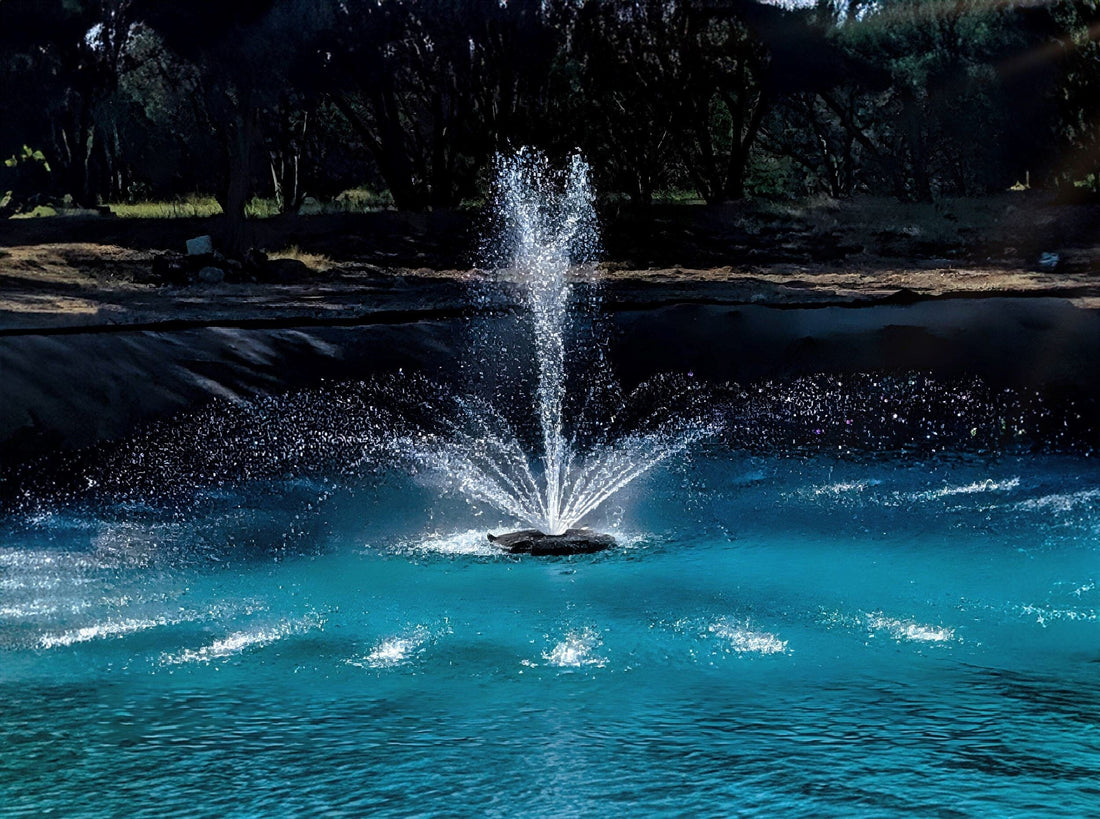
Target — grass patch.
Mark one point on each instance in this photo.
(362, 200)
(187, 207)
(317, 262)
(355, 200)
(40, 210)
(261, 208)
(199, 206)
(678, 197)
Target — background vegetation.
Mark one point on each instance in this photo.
(286, 105)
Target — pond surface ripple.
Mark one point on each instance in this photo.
(919, 639)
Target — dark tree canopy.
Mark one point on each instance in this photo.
(103, 100)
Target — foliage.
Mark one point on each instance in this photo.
(1080, 92)
(28, 156)
(21, 175)
(271, 106)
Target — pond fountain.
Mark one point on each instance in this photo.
(867, 594)
(545, 241)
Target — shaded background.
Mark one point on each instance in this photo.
(281, 105)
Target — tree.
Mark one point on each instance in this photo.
(60, 67)
(726, 98)
(434, 87)
(242, 53)
(627, 88)
(1078, 46)
(919, 97)
(948, 119)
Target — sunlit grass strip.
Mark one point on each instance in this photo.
(191, 207)
(197, 206)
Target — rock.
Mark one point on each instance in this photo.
(534, 542)
(211, 275)
(200, 246)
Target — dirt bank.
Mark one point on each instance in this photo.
(85, 272)
(52, 287)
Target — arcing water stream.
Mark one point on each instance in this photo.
(548, 239)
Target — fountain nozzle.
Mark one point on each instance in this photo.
(533, 542)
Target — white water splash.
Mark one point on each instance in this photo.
(975, 488)
(1062, 502)
(240, 641)
(98, 631)
(470, 542)
(902, 630)
(549, 240)
(575, 650)
(1044, 615)
(743, 639)
(399, 649)
(1085, 588)
(899, 629)
(40, 609)
(395, 650)
(908, 630)
(47, 570)
(844, 488)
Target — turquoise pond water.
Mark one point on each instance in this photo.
(775, 636)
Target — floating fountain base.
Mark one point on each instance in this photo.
(534, 542)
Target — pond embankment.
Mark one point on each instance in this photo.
(92, 342)
(75, 379)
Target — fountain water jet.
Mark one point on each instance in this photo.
(547, 243)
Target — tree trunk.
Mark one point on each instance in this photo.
(88, 197)
(388, 152)
(704, 167)
(238, 184)
(440, 189)
(739, 150)
(922, 188)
